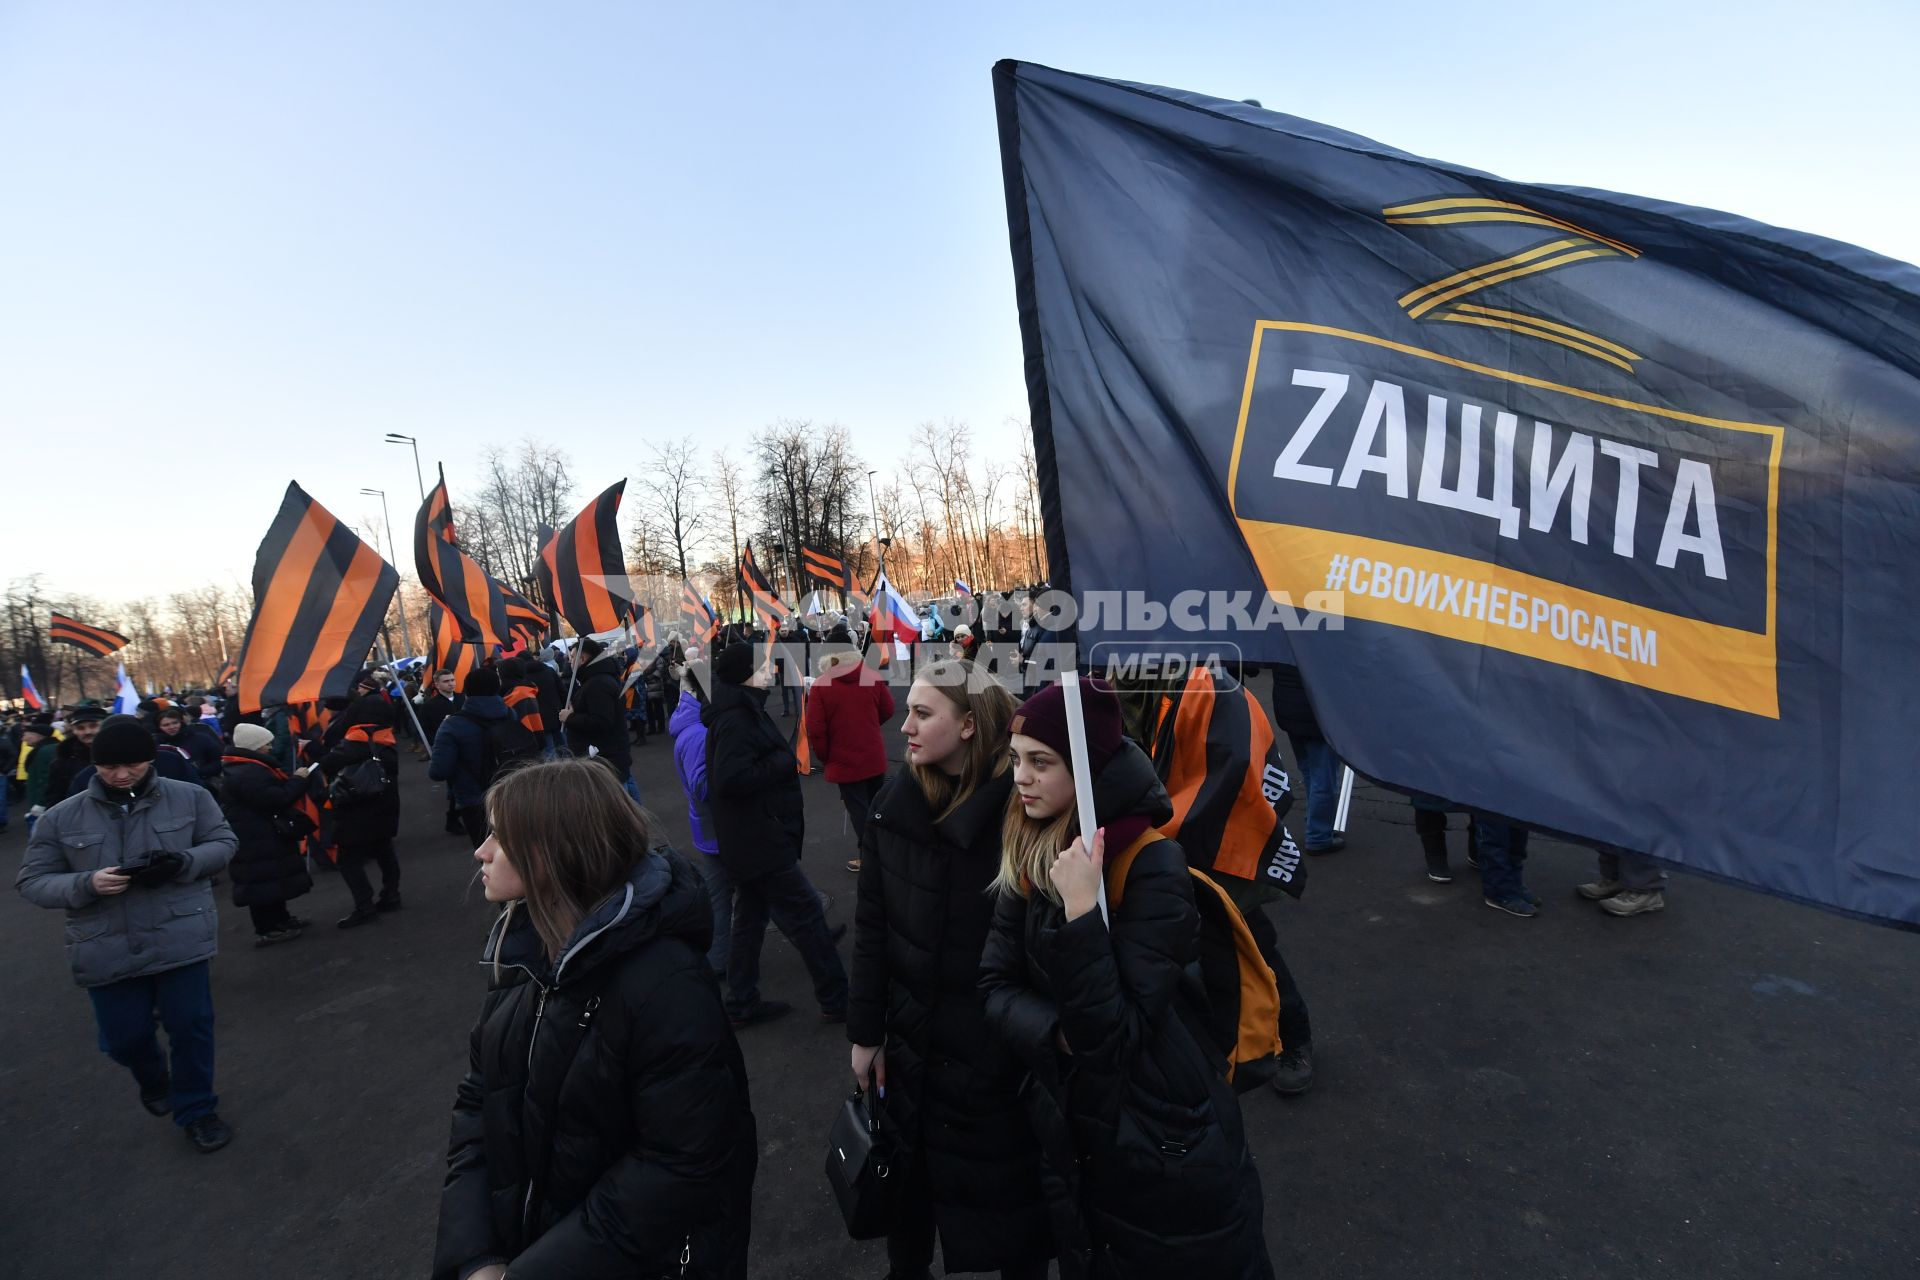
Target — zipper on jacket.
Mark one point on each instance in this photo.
(526, 1206)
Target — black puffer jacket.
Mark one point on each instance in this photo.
(603, 1128)
(358, 734)
(1292, 711)
(599, 718)
(267, 867)
(752, 783)
(952, 1088)
(1146, 1163)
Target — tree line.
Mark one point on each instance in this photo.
(945, 511)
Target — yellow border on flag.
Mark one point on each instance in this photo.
(1742, 652)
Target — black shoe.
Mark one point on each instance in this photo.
(830, 1016)
(765, 1011)
(1334, 845)
(271, 936)
(209, 1133)
(1293, 1074)
(1439, 872)
(295, 923)
(385, 903)
(155, 1099)
(360, 916)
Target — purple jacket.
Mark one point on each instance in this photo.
(690, 758)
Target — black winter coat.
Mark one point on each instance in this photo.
(267, 867)
(752, 783)
(1292, 712)
(369, 822)
(952, 1088)
(547, 685)
(599, 718)
(1145, 1160)
(603, 1128)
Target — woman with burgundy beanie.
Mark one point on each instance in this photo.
(1147, 1165)
(845, 709)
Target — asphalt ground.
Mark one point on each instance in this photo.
(1725, 1089)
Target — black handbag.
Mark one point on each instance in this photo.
(860, 1158)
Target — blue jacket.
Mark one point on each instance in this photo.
(690, 758)
(460, 749)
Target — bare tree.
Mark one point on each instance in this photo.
(675, 498)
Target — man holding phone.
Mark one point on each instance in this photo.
(130, 860)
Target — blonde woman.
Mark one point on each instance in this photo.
(929, 853)
(603, 1126)
(1147, 1161)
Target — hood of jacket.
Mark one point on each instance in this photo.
(725, 697)
(1128, 797)
(686, 714)
(838, 663)
(662, 897)
(485, 706)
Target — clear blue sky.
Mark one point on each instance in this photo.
(239, 242)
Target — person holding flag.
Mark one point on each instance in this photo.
(596, 719)
(1140, 1132)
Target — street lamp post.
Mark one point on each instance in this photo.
(394, 437)
(873, 510)
(406, 632)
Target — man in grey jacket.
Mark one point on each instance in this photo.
(129, 859)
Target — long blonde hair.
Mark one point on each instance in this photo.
(976, 693)
(573, 834)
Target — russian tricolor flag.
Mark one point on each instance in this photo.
(27, 691)
(959, 584)
(893, 618)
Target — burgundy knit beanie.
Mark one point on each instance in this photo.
(1043, 717)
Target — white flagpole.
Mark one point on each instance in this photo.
(1346, 799)
(1082, 769)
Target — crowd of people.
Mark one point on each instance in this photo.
(1027, 1004)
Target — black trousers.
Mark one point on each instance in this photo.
(910, 1243)
(858, 798)
(1296, 1028)
(269, 917)
(353, 869)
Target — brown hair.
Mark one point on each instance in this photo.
(1028, 848)
(976, 693)
(573, 834)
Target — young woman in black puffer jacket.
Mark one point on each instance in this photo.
(603, 1127)
(1145, 1160)
(916, 1017)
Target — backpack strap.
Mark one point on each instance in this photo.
(1119, 865)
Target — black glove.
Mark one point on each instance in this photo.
(149, 869)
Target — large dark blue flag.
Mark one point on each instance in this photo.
(1607, 510)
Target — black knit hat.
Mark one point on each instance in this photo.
(482, 682)
(736, 663)
(42, 725)
(122, 740)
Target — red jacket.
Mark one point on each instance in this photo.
(845, 709)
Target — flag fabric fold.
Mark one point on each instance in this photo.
(489, 612)
(759, 594)
(581, 569)
(28, 693)
(701, 617)
(1586, 510)
(319, 595)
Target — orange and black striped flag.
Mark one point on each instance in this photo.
(450, 651)
(1215, 751)
(319, 594)
(834, 571)
(759, 593)
(227, 672)
(699, 615)
(582, 570)
(485, 607)
(95, 640)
